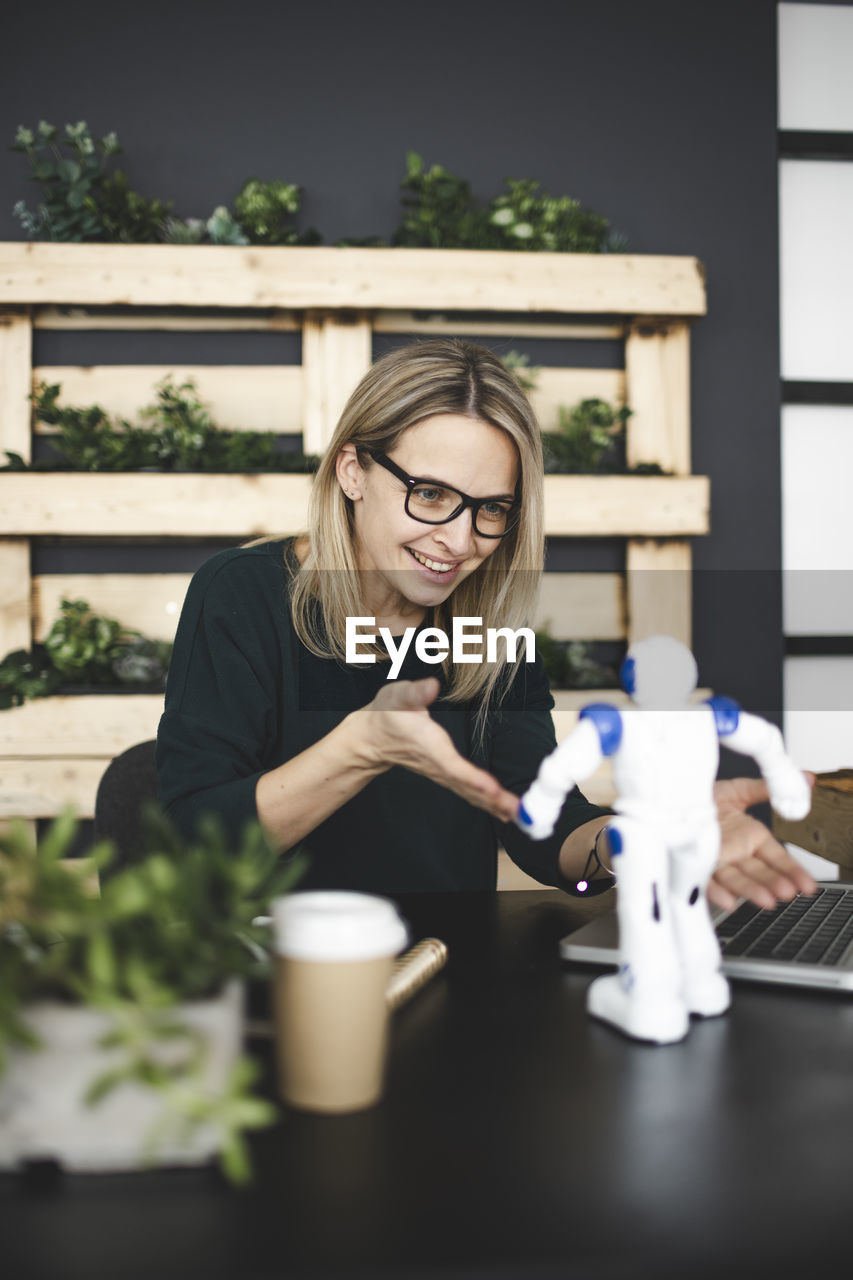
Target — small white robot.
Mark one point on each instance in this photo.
(665, 838)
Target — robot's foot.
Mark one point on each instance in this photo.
(661, 1021)
(707, 995)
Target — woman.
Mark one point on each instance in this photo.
(427, 506)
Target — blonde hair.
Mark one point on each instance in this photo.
(412, 383)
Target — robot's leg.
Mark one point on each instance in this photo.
(706, 991)
(644, 999)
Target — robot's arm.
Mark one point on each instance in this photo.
(598, 734)
(790, 794)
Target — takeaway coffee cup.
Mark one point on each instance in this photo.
(334, 958)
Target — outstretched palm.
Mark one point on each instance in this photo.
(752, 863)
(404, 733)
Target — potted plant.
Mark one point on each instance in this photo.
(121, 1011)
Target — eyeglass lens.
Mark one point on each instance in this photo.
(435, 504)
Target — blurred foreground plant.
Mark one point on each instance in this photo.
(173, 927)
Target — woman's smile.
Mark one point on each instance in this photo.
(442, 571)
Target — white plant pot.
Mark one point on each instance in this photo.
(42, 1113)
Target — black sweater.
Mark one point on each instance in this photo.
(243, 695)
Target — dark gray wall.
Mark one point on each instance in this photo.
(660, 114)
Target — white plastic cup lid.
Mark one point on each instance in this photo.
(333, 925)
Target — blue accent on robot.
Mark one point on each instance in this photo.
(614, 841)
(628, 675)
(608, 722)
(524, 817)
(726, 714)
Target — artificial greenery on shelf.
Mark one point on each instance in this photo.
(82, 201)
(441, 212)
(179, 435)
(172, 927)
(84, 649)
(590, 439)
(526, 375)
(571, 664)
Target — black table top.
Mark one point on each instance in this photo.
(516, 1138)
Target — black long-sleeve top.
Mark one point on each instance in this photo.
(244, 695)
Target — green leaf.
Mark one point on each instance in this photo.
(253, 1113)
(101, 961)
(69, 171)
(59, 837)
(106, 1084)
(234, 1160)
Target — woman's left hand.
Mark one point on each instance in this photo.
(752, 863)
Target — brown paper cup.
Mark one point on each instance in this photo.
(330, 1006)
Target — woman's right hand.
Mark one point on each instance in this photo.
(396, 728)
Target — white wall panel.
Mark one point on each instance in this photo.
(816, 268)
(817, 487)
(819, 712)
(817, 519)
(815, 56)
(818, 726)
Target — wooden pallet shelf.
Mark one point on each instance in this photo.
(53, 751)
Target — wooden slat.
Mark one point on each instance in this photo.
(16, 351)
(187, 505)
(428, 279)
(15, 625)
(651, 506)
(657, 370)
(582, 606)
(573, 606)
(83, 725)
(569, 702)
(462, 326)
(54, 761)
(336, 353)
(42, 788)
(131, 505)
(659, 589)
(146, 602)
(80, 318)
(105, 724)
(567, 387)
(238, 397)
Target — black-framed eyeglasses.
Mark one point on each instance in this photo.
(432, 502)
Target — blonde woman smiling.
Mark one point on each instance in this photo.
(427, 508)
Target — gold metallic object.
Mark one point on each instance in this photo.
(414, 969)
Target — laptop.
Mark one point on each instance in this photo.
(807, 942)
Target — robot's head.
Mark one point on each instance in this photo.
(659, 672)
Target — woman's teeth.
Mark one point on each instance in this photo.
(435, 565)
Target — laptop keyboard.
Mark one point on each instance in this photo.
(807, 930)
